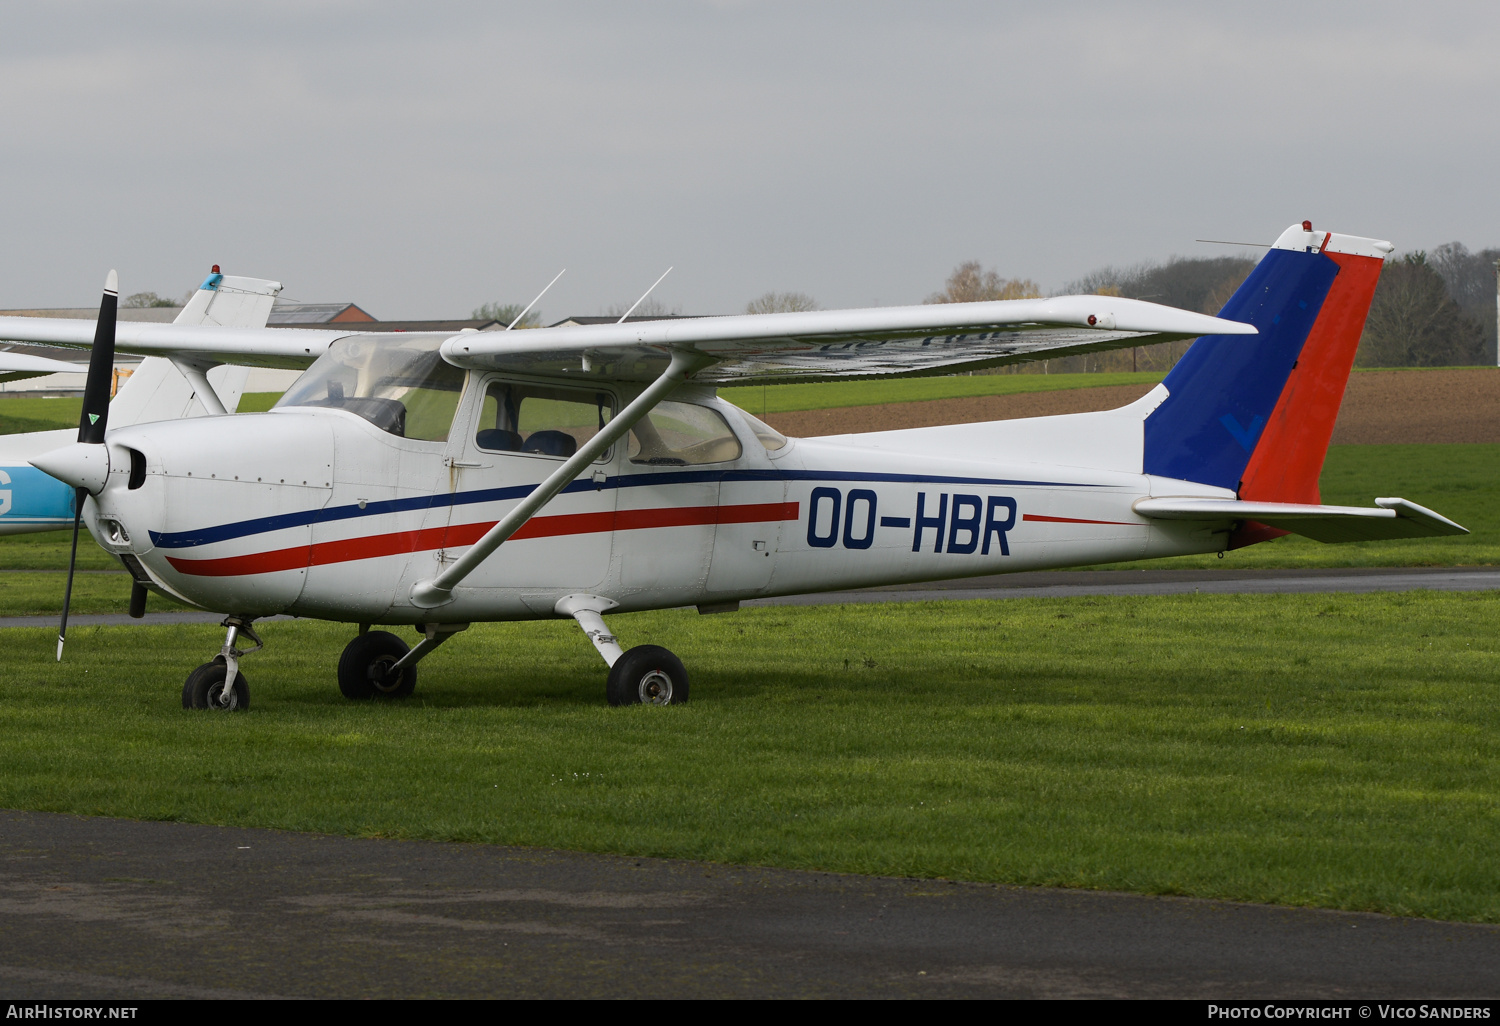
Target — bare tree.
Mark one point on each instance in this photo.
(507, 312)
(1413, 322)
(650, 307)
(971, 283)
(781, 302)
(145, 300)
(1200, 284)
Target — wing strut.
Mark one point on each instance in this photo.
(439, 590)
(202, 390)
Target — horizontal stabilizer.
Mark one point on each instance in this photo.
(1388, 518)
(18, 366)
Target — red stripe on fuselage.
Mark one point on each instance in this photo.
(456, 536)
(1074, 520)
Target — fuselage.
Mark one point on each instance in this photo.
(324, 512)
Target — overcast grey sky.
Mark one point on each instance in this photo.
(421, 159)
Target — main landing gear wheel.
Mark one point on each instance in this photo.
(204, 689)
(365, 667)
(647, 674)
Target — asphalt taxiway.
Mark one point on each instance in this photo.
(108, 908)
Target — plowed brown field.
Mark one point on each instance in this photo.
(1461, 405)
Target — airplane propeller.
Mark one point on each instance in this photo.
(91, 422)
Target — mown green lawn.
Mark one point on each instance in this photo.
(1336, 751)
(23, 413)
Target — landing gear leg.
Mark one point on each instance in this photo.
(220, 684)
(647, 674)
(377, 664)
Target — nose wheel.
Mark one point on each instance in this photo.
(219, 684)
(204, 689)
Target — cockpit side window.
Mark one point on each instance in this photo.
(682, 434)
(403, 386)
(537, 419)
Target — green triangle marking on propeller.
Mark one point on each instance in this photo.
(93, 418)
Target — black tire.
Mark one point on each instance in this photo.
(647, 674)
(363, 667)
(205, 685)
(190, 684)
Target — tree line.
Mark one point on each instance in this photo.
(1433, 309)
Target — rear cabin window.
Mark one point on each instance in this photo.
(681, 434)
(540, 420)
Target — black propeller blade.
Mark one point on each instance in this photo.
(92, 421)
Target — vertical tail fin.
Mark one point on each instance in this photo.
(1254, 415)
(158, 390)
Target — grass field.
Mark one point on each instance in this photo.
(32, 414)
(1336, 751)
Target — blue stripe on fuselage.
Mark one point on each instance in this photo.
(302, 518)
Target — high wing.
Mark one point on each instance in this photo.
(879, 342)
(1389, 518)
(291, 348)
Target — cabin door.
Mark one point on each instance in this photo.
(516, 435)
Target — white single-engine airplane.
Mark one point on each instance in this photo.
(439, 480)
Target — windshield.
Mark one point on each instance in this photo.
(401, 385)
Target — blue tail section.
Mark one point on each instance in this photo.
(33, 501)
(1223, 390)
